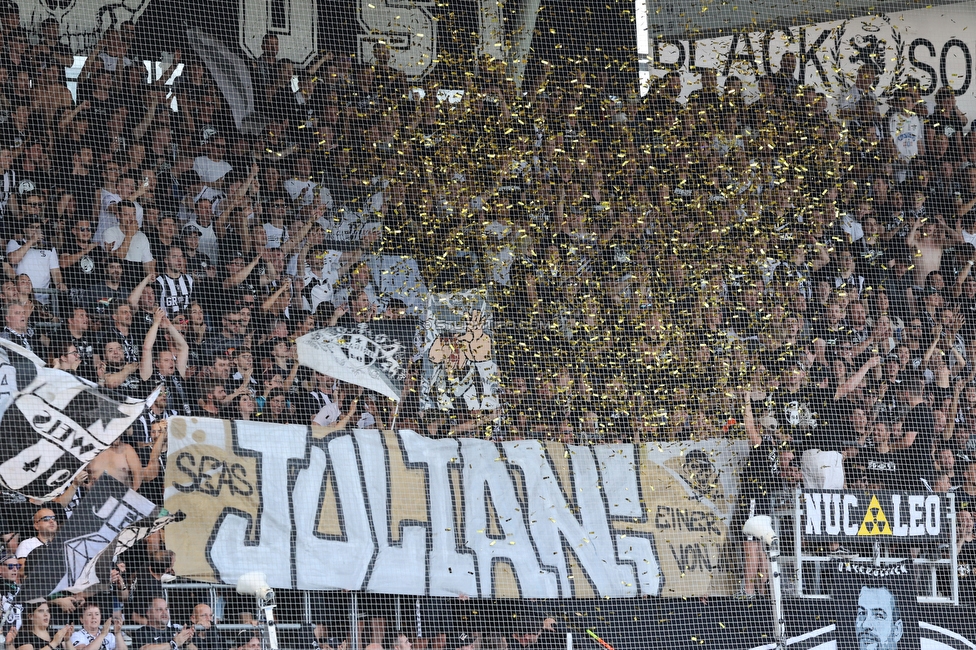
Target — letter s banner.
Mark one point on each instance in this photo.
(406, 28)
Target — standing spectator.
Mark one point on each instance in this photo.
(46, 525)
(906, 128)
(121, 331)
(203, 223)
(33, 256)
(114, 372)
(228, 337)
(81, 261)
(175, 286)
(164, 236)
(170, 367)
(16, 328)
(102, 298)
(126, 242)
(76, 334)
(765, 471)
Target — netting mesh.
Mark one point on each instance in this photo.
(486, 326)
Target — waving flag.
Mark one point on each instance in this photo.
(52, 428)
(361, 358)
(231, 75)
(68, 562)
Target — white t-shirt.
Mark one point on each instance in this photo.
(139, 249)
(111, 63)
(81, 636)
(106, 219)
(969, 238)
(7, 188)
(323, 286)
(25, 547)
(37, 263)
(276, 236)
(907, 132)
(307, 190)
(852, 227)
(328, 414)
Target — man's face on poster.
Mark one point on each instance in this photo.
(878, 625)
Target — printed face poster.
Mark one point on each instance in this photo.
(875, 606)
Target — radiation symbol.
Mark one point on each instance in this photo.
(875, 522)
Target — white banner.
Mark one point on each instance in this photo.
(396, 512)
(934, 45)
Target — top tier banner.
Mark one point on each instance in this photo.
(396, 512)
(933, 45)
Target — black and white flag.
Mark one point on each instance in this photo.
(52, 428)
(98, 568)
(68, 562)
(365, 359)
(17, 364)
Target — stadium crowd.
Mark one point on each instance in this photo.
(657, 269)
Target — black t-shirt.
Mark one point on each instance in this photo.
(101, 300)
(921, 419)
(809, 416)
(212, 641)
(83, 274)
(159, 249)
(28, 637)
(83, 188)
(146, 635)
(86, 350)
(141, 322)
(178, 393)
(894, 470)
(760, 473)
(131, 386)
(832, 335)
(131, 346)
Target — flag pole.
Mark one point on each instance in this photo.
(403, 394)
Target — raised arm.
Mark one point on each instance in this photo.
(936, 335)
(151, 471)
(299, 237)
(855, 380)
(961, 279)
(241, 275)
(182, 348)
(146, 362)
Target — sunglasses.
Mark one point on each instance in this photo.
(85, 229)
(47, 518)
(14, 566)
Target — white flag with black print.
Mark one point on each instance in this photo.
(52, 428)
(17, 364)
